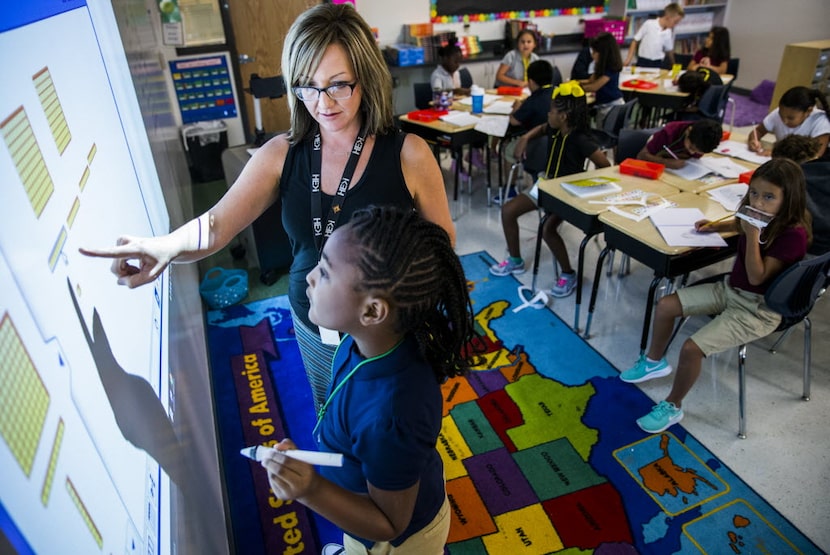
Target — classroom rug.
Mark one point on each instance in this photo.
(540, 447)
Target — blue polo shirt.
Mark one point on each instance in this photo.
(385, 419)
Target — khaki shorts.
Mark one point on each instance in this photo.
(741, 316)
(430, 540)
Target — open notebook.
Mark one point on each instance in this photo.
(677, 226)
(694, 170)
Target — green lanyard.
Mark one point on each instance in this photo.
(322, 412)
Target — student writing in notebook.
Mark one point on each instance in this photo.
(571, 144)
(797, 114)
(391, 282)
(679, 141)
(778, 188)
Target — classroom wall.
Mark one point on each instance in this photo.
(759, 31)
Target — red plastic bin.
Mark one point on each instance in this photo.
(642, 168)
(616, 27)
(426, 115)
(509, 91)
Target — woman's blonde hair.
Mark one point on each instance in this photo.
(315, 30)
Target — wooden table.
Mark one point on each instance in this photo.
(585, 215)
(642, 242)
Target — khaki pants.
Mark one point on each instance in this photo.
(741, 316)
(430, 540)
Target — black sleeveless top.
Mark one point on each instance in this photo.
(382, 183)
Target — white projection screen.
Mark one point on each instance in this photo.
(91, 457)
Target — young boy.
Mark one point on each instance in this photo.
(655, 38)
(680, 140)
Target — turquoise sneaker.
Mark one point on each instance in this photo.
(663, 415)
(644, 371)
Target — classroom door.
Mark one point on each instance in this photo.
(259, 29)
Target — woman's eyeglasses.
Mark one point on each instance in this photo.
(338, 91)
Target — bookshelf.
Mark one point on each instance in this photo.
(701, 16)
(803, 63)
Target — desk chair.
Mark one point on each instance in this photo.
(792, 294)
(618, 118)
(630, 142)
(423, 95)
(466, 78)
(732, 67)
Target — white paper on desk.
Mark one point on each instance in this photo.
(729, 196)
(640, 213)
(499, 107)
(251, 151)
(691, 170)
(459, 118)
(740, 150)
(493, 125)
(669, 85)
(488, 98)
(722, 166)
(677, 226)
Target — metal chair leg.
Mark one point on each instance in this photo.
(742, 392)
(808, 328)
(780, 340)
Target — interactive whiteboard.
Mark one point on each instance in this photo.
(88, 454)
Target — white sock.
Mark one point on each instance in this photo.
(651, 362)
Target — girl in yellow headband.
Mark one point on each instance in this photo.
(605, 81)
(569, 143)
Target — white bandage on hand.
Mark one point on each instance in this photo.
(196, 234)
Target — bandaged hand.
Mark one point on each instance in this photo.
(140, 260)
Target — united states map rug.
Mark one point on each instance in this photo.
(540, 451)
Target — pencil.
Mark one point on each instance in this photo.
(758, 148)
(709, 224)
(671, 153)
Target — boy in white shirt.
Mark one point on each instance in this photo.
(655, 38)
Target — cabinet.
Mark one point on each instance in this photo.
(806, 64)
(701, 16)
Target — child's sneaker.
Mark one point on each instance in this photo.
(508, 267)
(511, 193)
(565, 286)
(644, 370)
(663, 415)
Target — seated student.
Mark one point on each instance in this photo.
(715, 52)
(605, 81)
(583, 64)
(680, 140)
(530, 112)
(571, 144)
(796, 115)
(777, 187)
(446, 76)
(802, 150)
(533, 110)
(694, 83)
(798, 148)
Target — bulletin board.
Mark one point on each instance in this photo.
(450, 11)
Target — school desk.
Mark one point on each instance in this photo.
(584, 214)
(655, 97)
(452, 137)
(642, 242)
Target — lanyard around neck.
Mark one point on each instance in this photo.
(322, 412)
(321, 233)
(559, 157)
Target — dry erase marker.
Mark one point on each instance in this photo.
(260, 452)
(671, 153)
